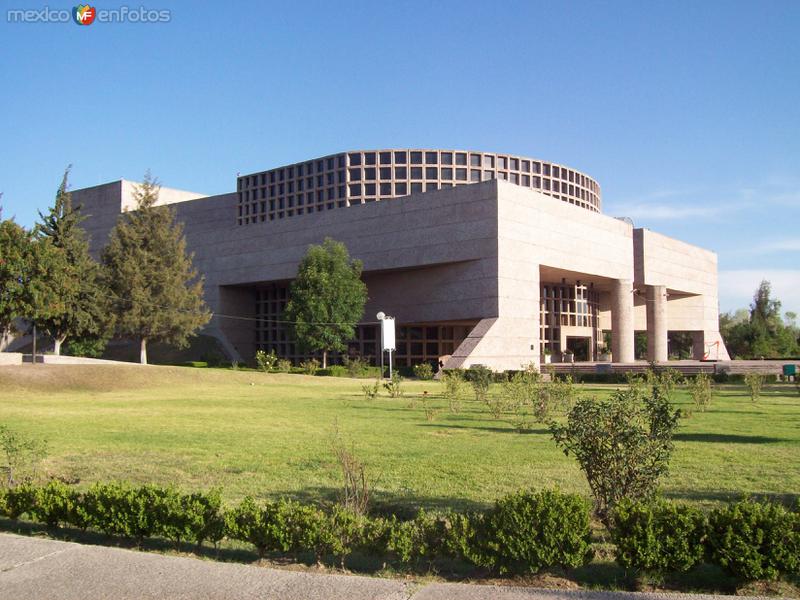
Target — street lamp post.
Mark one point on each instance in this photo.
(387, 338)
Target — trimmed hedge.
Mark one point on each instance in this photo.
(750, 540)
(738, 378)
(525, 533)
(269, 528)
(342, 371)
(522, 533)
(753, 540)
(122, 510)
(658, 536)
(419, 539)
(54, 504)
(19, 500)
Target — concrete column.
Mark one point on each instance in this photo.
(657, 323)
(622, 345)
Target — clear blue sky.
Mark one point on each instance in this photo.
(687, 113)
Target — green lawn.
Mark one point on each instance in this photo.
(269, 435)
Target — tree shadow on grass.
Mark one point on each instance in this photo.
(788, 499)
(402, 505)
(766, 392)
(714, 410)
(373, 405)
(509, 429)
(725, 438)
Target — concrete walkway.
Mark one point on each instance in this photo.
(42, 569)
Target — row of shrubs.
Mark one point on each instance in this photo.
(624, 377)
(522, 533)
(118, 509)
(360, 368)
(750, 540)
(367, 372)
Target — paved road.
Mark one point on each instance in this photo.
(41, 569)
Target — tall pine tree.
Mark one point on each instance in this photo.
(25, 266)
(80, 305)
(155, 292)
(15, 253)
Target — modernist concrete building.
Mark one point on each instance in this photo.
(484, 258)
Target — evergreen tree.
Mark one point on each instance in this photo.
(80, 306)
(14, 258)
(25, 266)
(154, 290)
(326, 299)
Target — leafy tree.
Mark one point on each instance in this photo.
(90, 346)
(326, 299)
(735, 330)
(14, 257)
(25, 265)
(155, 292)
(765, 321)
(80, 306)
(763, 333)
(623, 444)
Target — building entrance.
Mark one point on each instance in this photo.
(581, 347)
(569, 319)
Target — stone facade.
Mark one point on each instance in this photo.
(491, 273)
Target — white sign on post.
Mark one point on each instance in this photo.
(387, 334)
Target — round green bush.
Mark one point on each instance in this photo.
(755, 540)
(528, 532)
(423, 371)
(420, 539)
(658, 536)
(53, 504)
(3, 503)
(20, 500)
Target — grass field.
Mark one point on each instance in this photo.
(269, 435)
